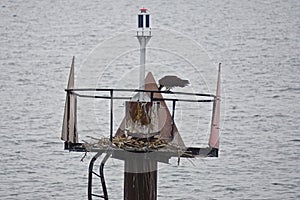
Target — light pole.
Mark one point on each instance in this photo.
(143, 35)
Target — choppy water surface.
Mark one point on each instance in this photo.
(257, 43)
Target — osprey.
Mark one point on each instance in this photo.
(172, 81)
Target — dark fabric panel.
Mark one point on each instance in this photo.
(140, 21)
(147, 21)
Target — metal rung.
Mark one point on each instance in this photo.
(96, 195)
(97, 174)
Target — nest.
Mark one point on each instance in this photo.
(133, 144)
(139, 143)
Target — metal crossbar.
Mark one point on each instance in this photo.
(137, 90)
(77, 91)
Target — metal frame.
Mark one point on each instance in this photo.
(111, 97)
(71, 146)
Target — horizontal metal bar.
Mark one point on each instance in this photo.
(154, 99)
(137, 90)
(99, 97)
(186, 100)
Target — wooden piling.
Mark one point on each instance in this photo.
(140, 179)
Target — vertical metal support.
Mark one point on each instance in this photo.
(111, 114)
(101, 170)
(151, 97)
(173, 122)
(90, 176)
(75, 119)
(68, 116)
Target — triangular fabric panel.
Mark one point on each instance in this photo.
(69, 128)
(165, 119)
(214, 134)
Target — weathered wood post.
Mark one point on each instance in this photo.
(141, 168)
(140, 179)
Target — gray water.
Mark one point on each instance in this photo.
(257, 43)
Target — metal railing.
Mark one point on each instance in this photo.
(111, 95)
